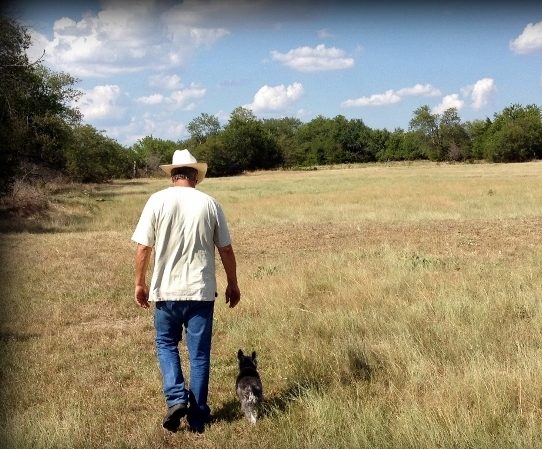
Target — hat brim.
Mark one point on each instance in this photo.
(201, 167)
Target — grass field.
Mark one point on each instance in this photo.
(392, 306)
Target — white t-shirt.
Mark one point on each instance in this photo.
(183, 225)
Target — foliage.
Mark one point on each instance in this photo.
(401, 146)
(515, 135)
(244, 144)
(454, 140)
(442, 137)
(149, 152)
(247, 143)
(284, 131)
(476, 131)
(36, 112)
(220, 161)
(93, 157)
(41, 127)
(202, 127)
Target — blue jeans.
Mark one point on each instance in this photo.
(197, 319)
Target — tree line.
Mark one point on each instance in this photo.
(40, 128)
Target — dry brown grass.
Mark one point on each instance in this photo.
(392, 306)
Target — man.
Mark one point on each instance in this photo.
(183, 225)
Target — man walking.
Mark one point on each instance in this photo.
(184, 226)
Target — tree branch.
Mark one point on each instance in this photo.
(37, 61)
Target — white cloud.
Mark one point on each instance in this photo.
(391, 96)
(165, 128)
(158, 125)
(302, 114)
(481, 92)
(169, 82)
(320, 58)
(325, 34)
(102, 102)
(121, 39)
(151, 99)
(207, 36)
(426, 90)
(182, 98)
(275, 98)
(529, 41)
(388, 97)
(449, 101)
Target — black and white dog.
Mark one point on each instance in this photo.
(249, 386)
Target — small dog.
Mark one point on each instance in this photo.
(249, 386)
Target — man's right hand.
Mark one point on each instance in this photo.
(233, 295)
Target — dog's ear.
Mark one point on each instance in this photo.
(253, 355)
(239, 354)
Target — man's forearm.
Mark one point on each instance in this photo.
(142, 258)
(230, 265)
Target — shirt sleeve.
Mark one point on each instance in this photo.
(145, 230)
(222, 233)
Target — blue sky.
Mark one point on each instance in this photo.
(149, 67)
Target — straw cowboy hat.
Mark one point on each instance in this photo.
(183, 158)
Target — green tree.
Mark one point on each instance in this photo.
(354, 141)
(248, 144)
(426, 125)
(150, 152)
(402, 146)
(515, 135)
(316, 140)
(202, 127)
(36, 106)
(378, 140)
(455, 142)
(93, 157)
(284, 131)
(14, 81)
(221, 161)
(441, 136)
(477, 131)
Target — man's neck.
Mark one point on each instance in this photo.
(184, 183)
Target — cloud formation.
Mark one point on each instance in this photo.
(149, 124)
(480, 92)
(120, 39)
(529, 41)
(388, 97)
(391, 96)
(178, 99)
(426, 90)
(275, 98)
(170, 82)
(105, 102)
(449, 101)
(319, 58)
(324, 33)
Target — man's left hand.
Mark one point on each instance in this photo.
(233, 295)
(142, 296)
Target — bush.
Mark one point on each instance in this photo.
(92, 157)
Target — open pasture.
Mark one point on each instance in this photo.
(391, 306)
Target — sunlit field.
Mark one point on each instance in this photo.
(391, 306)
